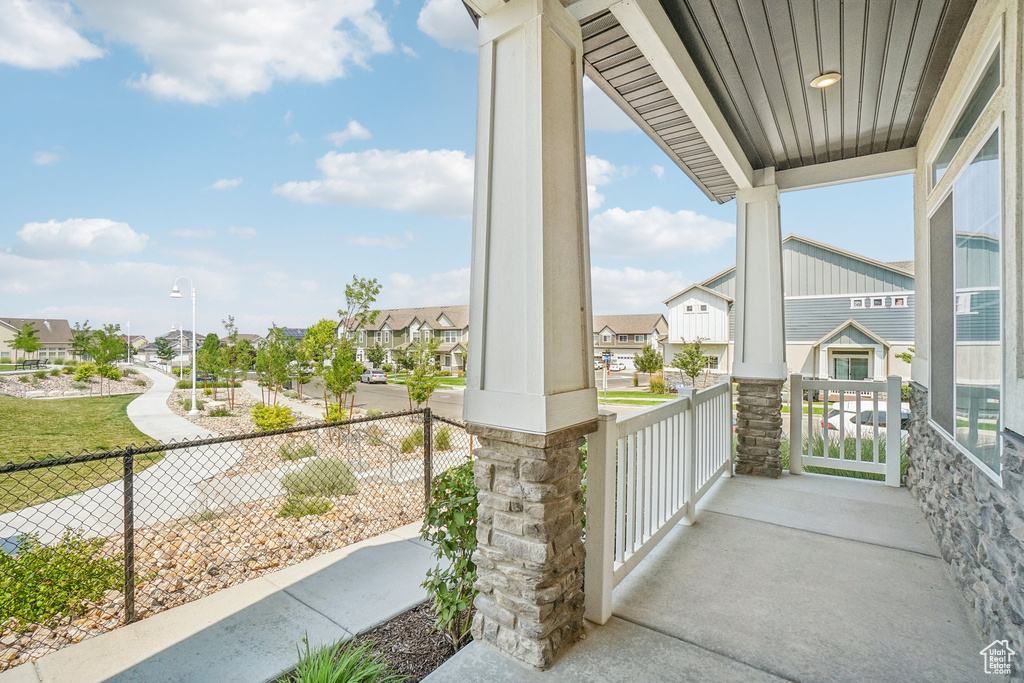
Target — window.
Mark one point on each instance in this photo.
(387, 336)
(689, 308)
(415, 335)
(427, 334)
(376, 336)
(606, 338)
(878, 302)
(362, 337)
(712, 362)
(703, 308)
(851, 365)
(899, 302)
(966, 255)
(623, 338)
(451, 336)
(595, 340)
(856, 303)
(638, 338)
(983, 91)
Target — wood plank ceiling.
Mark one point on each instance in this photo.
(758, 58)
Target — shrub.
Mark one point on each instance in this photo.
(323, 478)
(450, 528)
(186, 403)
(67, 369)
(269, 418)
(335, 413)
(291, 394)
(905, 393)
(139, 382)
(220, 411)
(413, 441)
(636, 380)
(207, 391)
(343, 662)
(374, 412)
(42, 584)
(374, 438)
(443, 439)
(24, 379)
(55, 372)
(296, 450)
(109, 372)
(187, 384)
(388, 368)
(70, 362)
(301, 506)
(80, 386)
(657, 386)
(40, 374)
(84, 371)
(129, 371)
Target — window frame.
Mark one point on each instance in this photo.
(622, 339)
(703, 308)
(899, 298)
(879, 299)
(854, 302)
(688, 308)
(639, 338)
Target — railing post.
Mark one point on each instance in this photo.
(893, 426)
(690, 455)
(129, 535)
(428, 457)
(796, 423)
(600, 537)
(728, 428)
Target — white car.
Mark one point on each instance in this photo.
(865, 419)
(616, 366)
(373, 377)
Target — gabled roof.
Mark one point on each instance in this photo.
(401, 318)
(857, 326)
(700, 287)
(49, 330)
(637, 323)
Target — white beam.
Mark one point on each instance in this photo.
(650, 28)
(581, 9)
(482, 7)
(868, 167)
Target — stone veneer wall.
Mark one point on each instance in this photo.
(979, 525)
(759, 427)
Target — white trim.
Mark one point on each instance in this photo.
(851, 295)
(877, 298)
(654, 34)
(863, 303)
(581, 9)
(868, 167)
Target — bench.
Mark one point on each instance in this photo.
(27, 364)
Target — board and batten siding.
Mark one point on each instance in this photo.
(712, 327)
(809, 270)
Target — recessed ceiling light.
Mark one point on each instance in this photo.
(826, 79)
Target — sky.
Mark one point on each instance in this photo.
(272, 149)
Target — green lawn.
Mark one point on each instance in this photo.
(4, 367)
(35, 429)
(450, 381)
(624, 402)
(634, 394)
(817, 409)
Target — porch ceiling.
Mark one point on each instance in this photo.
(758, 58)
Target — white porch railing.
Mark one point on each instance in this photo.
(822, 440)
(645, 474)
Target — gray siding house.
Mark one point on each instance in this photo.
(847, 316)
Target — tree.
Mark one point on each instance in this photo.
(164, 349)
(403, 359)
(649, 361)
(81, 339)
(272, 362)
(107, 346)
(421, 382)
(376, 355)
(691, 361)
(340, 378)
(209, 360)
(907, 356)
(318, 346)
(235, 358)
(25, 340)
(359, 298)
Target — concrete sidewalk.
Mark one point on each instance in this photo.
(804, 578)
(251, 632)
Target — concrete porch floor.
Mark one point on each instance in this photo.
(807, 578)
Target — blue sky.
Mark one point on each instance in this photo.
(271, 154)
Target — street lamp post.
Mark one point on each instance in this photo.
(176, 294)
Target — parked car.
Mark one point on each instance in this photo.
(865, 419)
(616, 366)
(373, 377)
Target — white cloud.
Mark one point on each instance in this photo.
(656, 232)
(203, 52)
(602, 172)
(409, 52)
(600, 113)
(45, 158)
(594, 198)
(436, 289)
(295, 139)
(438, 182)
(40, 34)
(633, 290)
(658, 171)
(448, 22)
(82, 235)
(288, 115)
(353, 131)
(188, 233)
(242, 232)
(384, 242)
(226, 184)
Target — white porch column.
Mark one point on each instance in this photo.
(759, 367)
(529, 391)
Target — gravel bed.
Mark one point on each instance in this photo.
(64, 385)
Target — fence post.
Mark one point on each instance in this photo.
(690, 455)
(893, 427)
(129, 535)
(428, 457)
(796, 423)
(600, 538)
(729, 433)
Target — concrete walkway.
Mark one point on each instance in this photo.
(164, 491)
(251, 632)
(805, 578)
(312, 409)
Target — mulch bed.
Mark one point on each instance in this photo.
(408, 644)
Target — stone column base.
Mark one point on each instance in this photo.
(759, 427)
(529, 553)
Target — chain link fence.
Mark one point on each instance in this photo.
(92, 541)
